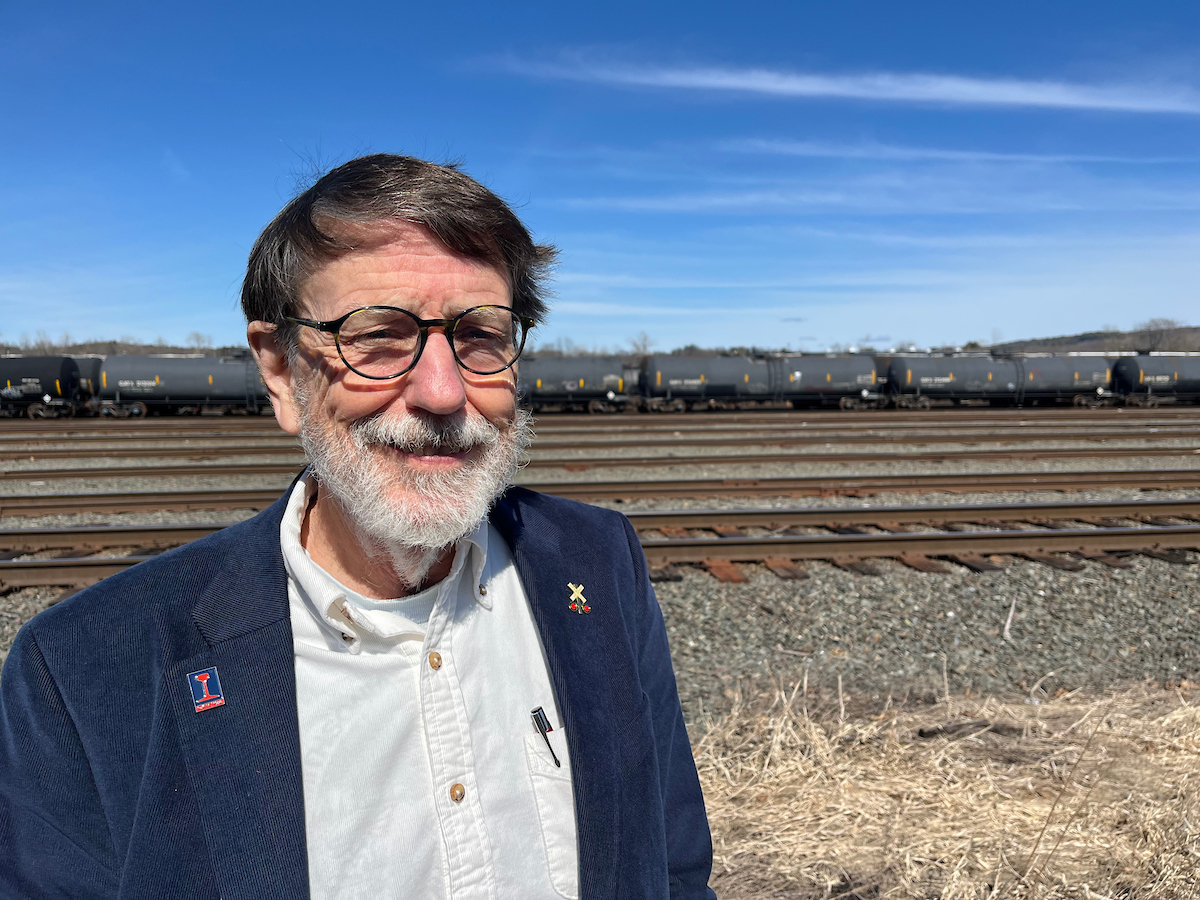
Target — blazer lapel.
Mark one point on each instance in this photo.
(243, 756)
(577, 655)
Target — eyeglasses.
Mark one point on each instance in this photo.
(382, 342)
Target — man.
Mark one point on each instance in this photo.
(404, 678)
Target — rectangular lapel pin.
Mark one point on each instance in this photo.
(206, 689)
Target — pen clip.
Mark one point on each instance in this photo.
(542, 724)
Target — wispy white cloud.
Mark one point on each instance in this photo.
(895, 87)
(891, 152)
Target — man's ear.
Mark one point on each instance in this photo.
(276, 374)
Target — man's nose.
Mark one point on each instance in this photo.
(435, 383)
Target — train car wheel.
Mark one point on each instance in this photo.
(923, 403)
(36, 410)
(138, 409)
(848, 403)
(1151, 403)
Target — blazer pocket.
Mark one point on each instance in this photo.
(555, 800)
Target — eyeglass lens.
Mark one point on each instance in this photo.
(381, 343)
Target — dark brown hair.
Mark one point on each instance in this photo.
(383, 188)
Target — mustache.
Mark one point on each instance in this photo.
(422, 432)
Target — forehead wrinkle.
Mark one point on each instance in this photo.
(402, 266)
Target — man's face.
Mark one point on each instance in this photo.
(416, 459)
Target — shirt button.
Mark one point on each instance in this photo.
(457, 792)
(482, 590)
(435, 660)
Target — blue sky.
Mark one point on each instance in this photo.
(776, 174)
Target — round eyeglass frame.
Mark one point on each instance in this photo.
(333, 326)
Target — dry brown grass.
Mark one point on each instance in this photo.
(1074, 797)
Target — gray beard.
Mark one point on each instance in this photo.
(407, 515)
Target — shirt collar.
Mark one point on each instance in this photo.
(348, 613)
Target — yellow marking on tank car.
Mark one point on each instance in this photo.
(702, 378)
(103, 379)
(951, 376)
(156, 379)
(581, 382)
(989, 376)
(829, 376)
(621, 385)
(539, 382)
(746, 378)
(658, 379)
(210, 379)
(57, 387)
(908, 380)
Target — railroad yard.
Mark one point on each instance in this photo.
(825, 577)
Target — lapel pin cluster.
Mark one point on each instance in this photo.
(579, 603)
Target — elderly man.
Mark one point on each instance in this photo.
(405, 678)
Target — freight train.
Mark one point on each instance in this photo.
(53, 386)
(858, 381)
(43, 387)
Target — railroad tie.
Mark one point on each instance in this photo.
(1179, 556)
(787, 569)
(666, 572)
(724, 570)
(976, 562)
(729, 531)
(1109, 559)
(923, 563)
(854, 564)
(1056, 561)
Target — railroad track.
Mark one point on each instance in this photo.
(583, 463)
(904, 537)
(20, 429)
(810, 486)
(140, 446)
(646, 424)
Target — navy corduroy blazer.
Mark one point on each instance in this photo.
(112, 785)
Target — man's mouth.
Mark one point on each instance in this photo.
(430, 453)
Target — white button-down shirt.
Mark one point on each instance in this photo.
(424, 775)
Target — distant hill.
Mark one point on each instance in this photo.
(1152, 336)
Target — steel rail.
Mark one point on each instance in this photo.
(32, 505)
(928, 544)
(31, 540)
(813, 485)
(142, 501)
(832, 485)
(836, 516)
(674, 428)
(834, 417)
(281, 446)
(171, 535)
(593, 462)
(21, 573)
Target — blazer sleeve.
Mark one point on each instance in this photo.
(689, 843)
(54, 836)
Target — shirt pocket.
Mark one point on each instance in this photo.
(555, 800)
